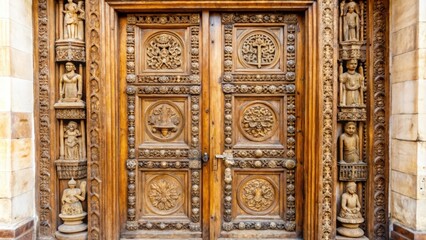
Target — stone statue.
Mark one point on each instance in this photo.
(72, 141)
(351, 23)
(350, 213)
(73, 20)
(351, 85)
(71, 84)
(349, 144)
(72, 198)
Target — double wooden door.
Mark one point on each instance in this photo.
(213, 125)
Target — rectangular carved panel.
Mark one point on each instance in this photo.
(260, 123)
(163, 87)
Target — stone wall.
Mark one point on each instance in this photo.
(16, 120)
(408, 121)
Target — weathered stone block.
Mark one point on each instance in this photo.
(403, 13)
(404, 156)
(403, 183)
(403, 209)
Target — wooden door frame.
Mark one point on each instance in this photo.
(320, 140)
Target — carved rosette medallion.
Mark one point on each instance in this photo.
(164, 194)
(164, 121)
(258, 49)
(257, 196)
(258, 122)
(164, 52)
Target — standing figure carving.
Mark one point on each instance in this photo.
(73, 20)
(351, 21)
(72, 198)
(351, 85)
(349, 144)
(72, 141)
(70, 84)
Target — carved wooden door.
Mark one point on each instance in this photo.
(225, 88)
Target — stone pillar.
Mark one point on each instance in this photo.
(408, 120)
(16, 121)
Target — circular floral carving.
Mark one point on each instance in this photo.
(258, 122)
(164, 121)
(164, 194)
(258, 49)
(257, 195)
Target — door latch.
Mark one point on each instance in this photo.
(205, 157)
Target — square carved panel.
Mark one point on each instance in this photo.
(164, 51)
(258, 49)
(163, 195)
(259, 194)
(163, 122)
(258, 122)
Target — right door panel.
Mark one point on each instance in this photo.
(259, 84)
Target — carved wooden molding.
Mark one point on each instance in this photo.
(94, 99)
(379, 112)
(327, 55)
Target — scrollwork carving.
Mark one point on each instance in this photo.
(258, 122)
(164, 51)
(165, 120)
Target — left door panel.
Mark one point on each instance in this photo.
(163, 87)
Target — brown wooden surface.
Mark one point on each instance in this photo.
(107, 123)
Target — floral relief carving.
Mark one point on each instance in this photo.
(164, 51)
(258, 122)
(164, 194)
(257, 195)
(259, 49)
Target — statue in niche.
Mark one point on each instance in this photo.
(351, 85)
(72, 141)
(73, 20)
(72, 198)
(71, 84)
(350, 213)
(351, 21)
(349, 144)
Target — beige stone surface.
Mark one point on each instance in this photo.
(405, 126)
(4, 61)
(21, 38)
(22, 181)
(422, 34)
(421, 107)
(22, 96)
(21, 11)
(404, 156)
(421, 156)
(406, 101)
(5, 125)
(5, 93)
(5, 186)
(22, 125)
(422, 11)
(22, 155)
(404, 67)
(21, 66)
(403, 13)
(5, 154)
(4, 10)
(5, 210)
(403, 209)
(404, 183)
(404, 40)
(421, 215)
(4, 32)
(23, 206)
